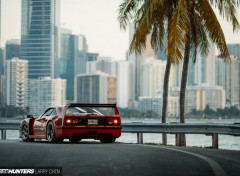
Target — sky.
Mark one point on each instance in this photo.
(96, 19)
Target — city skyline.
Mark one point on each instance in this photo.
(101, 28)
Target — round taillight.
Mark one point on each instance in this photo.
(75, 121)
(115, 121)
(110, 121)
(68, 121)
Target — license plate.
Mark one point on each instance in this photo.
(92, 121)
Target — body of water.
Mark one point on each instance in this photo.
(196, 140)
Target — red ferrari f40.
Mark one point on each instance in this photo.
(74, 122)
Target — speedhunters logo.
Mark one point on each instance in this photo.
(54, 171)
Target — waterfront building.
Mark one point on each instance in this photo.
(96, 87)
(46, 92)
(16, 82)
(198, 97)
(154, 104)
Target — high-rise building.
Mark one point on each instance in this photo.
(0, 21)
(198, 72)
(131, 55)
(228, 77)
(66, 67)
(234, 49)
(73, 58)
(125, 84)
(79, 53)
(198, 97)
(45, 92)
(161, 54)
(154, 104)
(146, 104)
(152, 77)
(96, 87)
(1, 62)
(1, 91)
(12, 49)
(1, 75)
(103, 64)
(16, 82)
(40, 37)
(92, 56)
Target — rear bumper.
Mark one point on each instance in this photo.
(88, 132)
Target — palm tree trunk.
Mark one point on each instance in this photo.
(183, 88)
(184, 81)
(165, 98)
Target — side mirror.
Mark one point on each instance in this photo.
(30, 116)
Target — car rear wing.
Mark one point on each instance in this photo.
(116, 112)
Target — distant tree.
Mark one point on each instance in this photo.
(209, 111)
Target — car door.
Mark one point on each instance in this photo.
(39, 123)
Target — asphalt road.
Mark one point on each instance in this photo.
(93, 158)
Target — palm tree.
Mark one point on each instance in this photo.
(149, 18)
(198, 22)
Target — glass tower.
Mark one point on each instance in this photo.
(40, 37)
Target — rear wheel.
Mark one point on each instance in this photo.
(51, 133)
(25, 132)
(108, 140)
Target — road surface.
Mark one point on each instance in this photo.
(93, 158)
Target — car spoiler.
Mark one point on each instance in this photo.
(92, 105)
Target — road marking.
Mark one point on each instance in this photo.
(217, 169)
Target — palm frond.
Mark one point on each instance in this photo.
(178, 29)
(213, 28)
(126, 11)
(148, 14)
(227, 9)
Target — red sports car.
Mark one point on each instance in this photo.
(73, 122)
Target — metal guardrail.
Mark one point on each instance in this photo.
(212, 129)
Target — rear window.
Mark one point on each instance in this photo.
(89, 110)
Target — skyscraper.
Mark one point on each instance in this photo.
(12, 49)
(1, 62)
(39, 36)
(96, 87)
(0, 20)
(73, 58)
(152, 76)
(92, 56)
(79, 53)
(125, 84)
(234, 49)
(228, 77)
(16, 82)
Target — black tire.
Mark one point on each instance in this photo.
(108, 140)
(74, 140)
(25, 132)
(51, 133)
